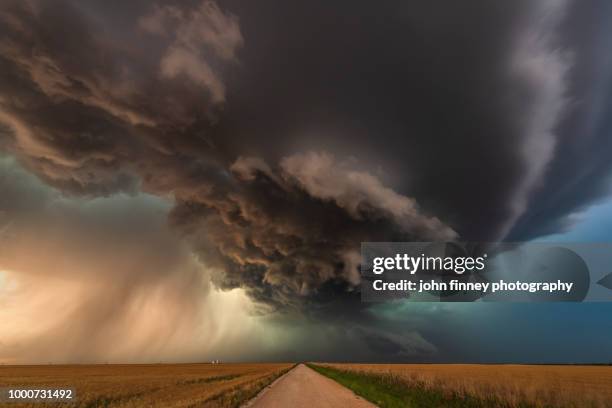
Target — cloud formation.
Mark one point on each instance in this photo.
(285, 134)
(111, 268)
(98, 126)
(540, 67)
(193, 32)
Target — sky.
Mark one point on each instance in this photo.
(187, 181)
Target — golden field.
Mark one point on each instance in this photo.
(146, 385)
(538, 385)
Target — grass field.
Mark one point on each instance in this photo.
(158, 385)
(466, 385)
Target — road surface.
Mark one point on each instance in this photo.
(303, 387)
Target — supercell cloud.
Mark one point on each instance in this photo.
(96, 117)
(280, 136)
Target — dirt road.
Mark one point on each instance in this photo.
(304, 388)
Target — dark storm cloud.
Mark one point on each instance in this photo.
(457, 101)
(94, 114)
(579, 174)
(289, 230)
(279, 128)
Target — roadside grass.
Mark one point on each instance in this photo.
(388, 391)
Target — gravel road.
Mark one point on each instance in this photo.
(303, 387)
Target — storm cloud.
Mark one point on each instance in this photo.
(85, 116)
(284, 134)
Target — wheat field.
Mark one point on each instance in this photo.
(146, 385)
(538, 385)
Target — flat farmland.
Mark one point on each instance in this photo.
(146, 385)
(491, 385)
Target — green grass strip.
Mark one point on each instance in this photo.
(388, 391)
